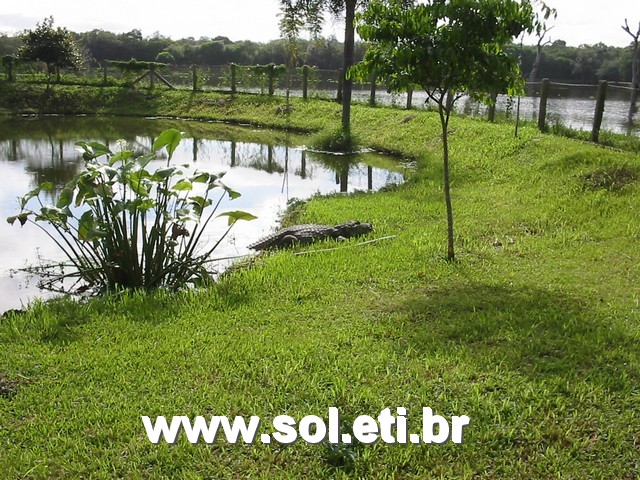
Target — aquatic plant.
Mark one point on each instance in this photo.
(121, 224)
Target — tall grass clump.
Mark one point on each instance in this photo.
(122, 224)
(338, 140)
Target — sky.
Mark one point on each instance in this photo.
(578, 21)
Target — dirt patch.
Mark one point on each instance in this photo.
(8, 388)
(610, 178)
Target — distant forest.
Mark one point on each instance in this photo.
(584, 64)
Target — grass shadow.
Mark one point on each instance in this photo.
(538, 333)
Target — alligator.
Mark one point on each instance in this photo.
(305, 234)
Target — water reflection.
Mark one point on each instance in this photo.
(267, 173)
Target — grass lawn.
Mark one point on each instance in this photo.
(533, 333)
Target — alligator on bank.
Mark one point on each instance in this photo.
(305, 234)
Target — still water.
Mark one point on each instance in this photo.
(569, 105)
(268, 168)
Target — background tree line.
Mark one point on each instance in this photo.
(583, 64)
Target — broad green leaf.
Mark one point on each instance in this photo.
(85, 225)
(169, 139)
(66, 197)
(92, 150)
(232, 193)
(122, 156)
(200, 203)
(182, 185)
(187, 215)
(236, 215)
(22, 218)
(32, 194)
(143, 160)
(200, 177)
(163, 173)
(136, 182)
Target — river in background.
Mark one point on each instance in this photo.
(569, 105)
(268, 168)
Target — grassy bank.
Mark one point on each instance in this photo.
(533, 333)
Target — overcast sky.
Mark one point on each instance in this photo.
(578, 22)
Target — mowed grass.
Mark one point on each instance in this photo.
(533, 333)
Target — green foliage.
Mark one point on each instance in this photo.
(136, 66)
(122, 224)
(535, 340)
(447, 47)
(165, 57)
(53, 46)
(336, 140)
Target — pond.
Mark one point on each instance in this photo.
(268, 168)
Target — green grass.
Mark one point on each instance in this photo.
(533, 333)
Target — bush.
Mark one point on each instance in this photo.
(121, 225)
(337, 140)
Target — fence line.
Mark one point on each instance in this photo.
(305, 82)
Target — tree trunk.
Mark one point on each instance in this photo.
(349, 31)
(444, 122)
(534, 69)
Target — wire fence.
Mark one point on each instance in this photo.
(566, 104)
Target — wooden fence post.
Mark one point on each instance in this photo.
(409, 98)
(542, 114)
(194, 77)
(372, 94)
(271, 72)
(597, 119)
(104, 73)
(305, 82)
(8, 64)
(152, 77)
(232, 66)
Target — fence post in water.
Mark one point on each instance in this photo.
(542, 115)
(232, 66)
(597, 119)
(372, 95)
(305, 81)
(340, 82)
(409, 98)
(194, 76)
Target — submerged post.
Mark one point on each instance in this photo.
(597, 119)
(542, 115)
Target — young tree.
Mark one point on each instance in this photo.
(448, 48)
(635, 69)
(53, 46)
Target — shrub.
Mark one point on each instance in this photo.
(121, 225)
